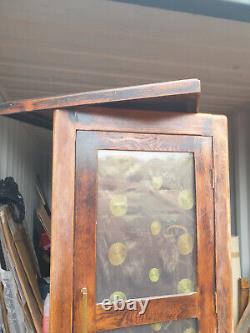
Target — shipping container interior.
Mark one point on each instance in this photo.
(26, 153)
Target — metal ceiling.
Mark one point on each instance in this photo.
(238, 10)
(59, 47)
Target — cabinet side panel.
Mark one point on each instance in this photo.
(222, 228)
(62, 224)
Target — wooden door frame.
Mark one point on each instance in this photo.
(160, 308)
(66, 124)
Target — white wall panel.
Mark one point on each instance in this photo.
(25, 151)
(240, 187)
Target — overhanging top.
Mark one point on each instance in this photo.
(180, 95)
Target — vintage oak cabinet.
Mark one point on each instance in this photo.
(140, 210)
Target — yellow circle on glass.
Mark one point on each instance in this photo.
(185, 244)
(189, 330)
(155, 228)
(156, 327)
(156, 182)
(117, 295)
(118, 205)
(185, 286)
(154, 274)
(186, 199)
(117, 253)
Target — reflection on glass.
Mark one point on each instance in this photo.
(146, 235)
(179, 326)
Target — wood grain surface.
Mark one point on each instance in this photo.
(63, 189)
(184, 127)
(172, 308)
(187, 92)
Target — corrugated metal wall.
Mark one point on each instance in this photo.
(120, 44)
(25, 151)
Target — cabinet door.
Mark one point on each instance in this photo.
(144, 233)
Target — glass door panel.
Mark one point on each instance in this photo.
(146, 224)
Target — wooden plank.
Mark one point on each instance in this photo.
(183, 88)
(44, 218)
(132, 120)
(63, 189)
(205, 236)
(23, 247)
(21, 243)
(159, 308)
(3, 309)
(22, 278)
(243, 295)
(24, 251)
(244, 323)
(222, 227)
(85, 236)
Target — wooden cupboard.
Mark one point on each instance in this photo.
(140, 212)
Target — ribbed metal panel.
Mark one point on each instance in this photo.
(109, 44)
(25, 152)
